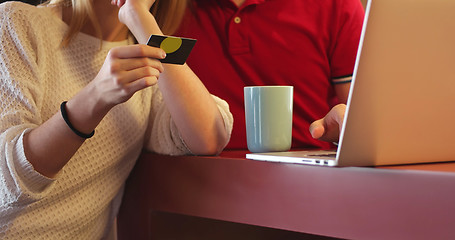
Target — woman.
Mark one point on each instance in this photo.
(67, 68)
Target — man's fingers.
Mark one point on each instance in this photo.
(317, 129)
(329, 128)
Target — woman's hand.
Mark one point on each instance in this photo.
(130, 8)
(145, 3)
(126, 70)
(329, 128)
(135, 14)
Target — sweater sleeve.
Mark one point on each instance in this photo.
(20, 95)
(165, 137)
(346, 29)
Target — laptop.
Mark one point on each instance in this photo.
(399, 109)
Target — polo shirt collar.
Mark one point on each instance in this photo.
(248, 2)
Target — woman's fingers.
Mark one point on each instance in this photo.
(126, 70)
(118, 3)
(125, 78)
(137, 51)
(132, 63)
(135, 63)
(141, 84)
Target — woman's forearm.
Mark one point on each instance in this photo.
(191, 106)
(51, 145)
(139, 21)
(193, 110)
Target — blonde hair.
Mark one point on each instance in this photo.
(168, 14)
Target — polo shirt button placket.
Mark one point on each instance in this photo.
(238, 42)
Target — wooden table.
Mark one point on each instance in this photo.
(400, 202)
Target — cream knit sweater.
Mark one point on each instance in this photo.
(36, 75)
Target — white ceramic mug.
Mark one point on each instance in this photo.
(268, 118)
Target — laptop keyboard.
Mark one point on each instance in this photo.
(330, 155)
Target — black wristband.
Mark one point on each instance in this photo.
(65, 117)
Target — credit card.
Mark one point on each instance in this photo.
(177, 49)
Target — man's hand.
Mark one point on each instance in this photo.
(328, 128)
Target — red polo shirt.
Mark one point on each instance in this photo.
(304, 43)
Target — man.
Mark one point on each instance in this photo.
(309, 44)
